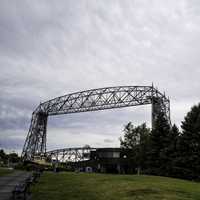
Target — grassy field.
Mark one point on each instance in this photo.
(82, 186)
(4, 171)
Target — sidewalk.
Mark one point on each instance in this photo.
(8, 182)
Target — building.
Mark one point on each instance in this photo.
(107, 160)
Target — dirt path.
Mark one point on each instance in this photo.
(8, 182)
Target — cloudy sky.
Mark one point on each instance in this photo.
(52, 48)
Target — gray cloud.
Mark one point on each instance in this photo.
(108, 141)
(50, 49)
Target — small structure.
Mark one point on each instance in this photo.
(106, 160)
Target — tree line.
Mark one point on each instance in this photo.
(6, 159)
(165, 150)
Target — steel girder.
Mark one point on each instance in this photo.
(90, 100)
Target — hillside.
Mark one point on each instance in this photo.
(82, 186)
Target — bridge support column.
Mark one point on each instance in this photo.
(160, 105)
(35, 144)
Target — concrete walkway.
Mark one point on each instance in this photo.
(8, 182)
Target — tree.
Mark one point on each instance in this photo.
(130, 137)
(135, 142)
(173, 151)
(8, 158)
(13, 158)
(189, 145)
(158, 155)
(3, 156)
(143, 146)
(174, 136)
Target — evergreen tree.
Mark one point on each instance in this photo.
(189, 145)
(143, 146)
(128, 143)
(174, 136)
(158, 155)
(173, 151)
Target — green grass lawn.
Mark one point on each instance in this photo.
(4, 171)
(83, 186)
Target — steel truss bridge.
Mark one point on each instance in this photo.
(90, 100)
(70, 154)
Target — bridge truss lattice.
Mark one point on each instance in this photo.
(70, 154)
(90, 100)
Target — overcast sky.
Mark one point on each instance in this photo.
(52, 48)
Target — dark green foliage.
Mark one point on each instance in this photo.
(11, 158)
(159, 151)
(189, 144)
(133, 136)
(130, 138)
(3, 155)
(173, 151)
(135, 144)
(156, 151)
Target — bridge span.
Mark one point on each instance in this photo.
(86, 101)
